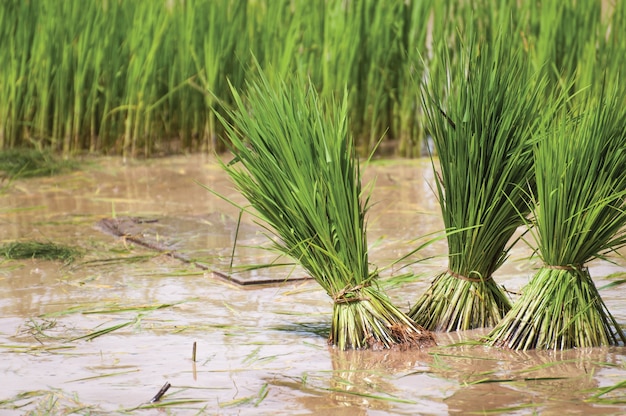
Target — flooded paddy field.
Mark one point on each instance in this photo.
(104, 334)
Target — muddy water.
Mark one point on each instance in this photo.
(104, 334)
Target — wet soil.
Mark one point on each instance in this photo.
(104, 334)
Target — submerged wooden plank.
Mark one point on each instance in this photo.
(142, 232)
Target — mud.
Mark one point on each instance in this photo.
(103, 335)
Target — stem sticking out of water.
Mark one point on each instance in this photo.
(161, 392)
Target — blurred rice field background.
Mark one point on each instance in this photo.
(141, 78)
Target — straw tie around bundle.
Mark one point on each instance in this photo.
(572, 267)
(466, 278)
(350, 294)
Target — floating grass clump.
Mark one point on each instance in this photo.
(26, 163)
(579, 216)
(39, 250)
(295, 163)
(481, 122)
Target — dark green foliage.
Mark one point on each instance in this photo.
(25, 163)
(39, 250)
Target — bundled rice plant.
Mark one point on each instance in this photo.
(481, 112)
(579, 216)
(295, 163)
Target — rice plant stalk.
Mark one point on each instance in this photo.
(481, 123)
(295, 163)
(579, 216)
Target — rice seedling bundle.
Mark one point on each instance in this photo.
(579, 216)
(481, 112)
(295, 163)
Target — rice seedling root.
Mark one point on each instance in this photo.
(365, 318)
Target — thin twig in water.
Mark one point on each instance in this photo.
(161, 392)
